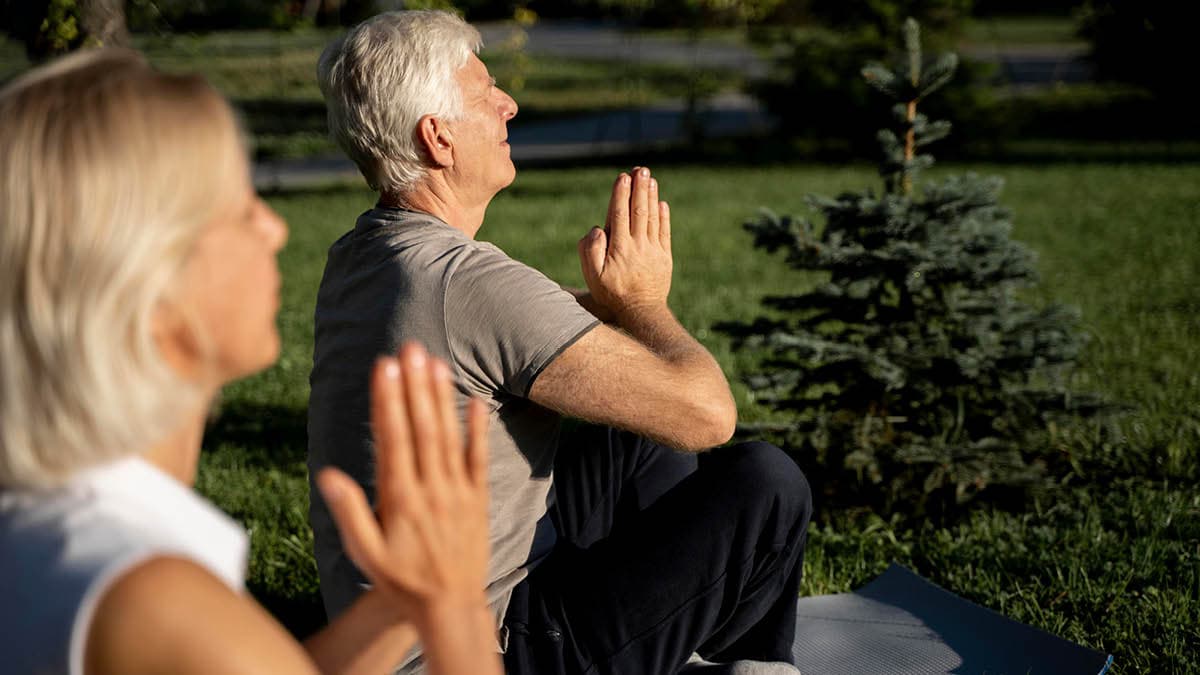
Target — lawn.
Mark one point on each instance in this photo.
(1111, 560)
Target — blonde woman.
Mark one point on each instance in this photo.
(138, 276)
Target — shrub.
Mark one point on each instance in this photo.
(914, 375)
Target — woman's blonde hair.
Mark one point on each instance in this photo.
(108, 172)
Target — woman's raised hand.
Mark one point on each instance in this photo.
(427, 541)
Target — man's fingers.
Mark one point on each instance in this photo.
(592, 249)
(653, 211)
(618, 210)
(477, 443)
(393, 441)
(452, 450)
(361, 537)
(422, 411)
(664, 225)
(639, 211)
(614, 200)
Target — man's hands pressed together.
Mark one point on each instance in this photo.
(644, 373)
(628, 265)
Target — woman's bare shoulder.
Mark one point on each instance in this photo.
(169, 614)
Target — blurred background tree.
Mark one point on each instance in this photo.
(815, 90)
(1142, 42)
(103, 22)
(1126, 96)
(50, 27)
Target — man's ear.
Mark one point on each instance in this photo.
(434, 137)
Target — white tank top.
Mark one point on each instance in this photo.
(61, 549)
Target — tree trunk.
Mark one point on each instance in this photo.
(103, 22)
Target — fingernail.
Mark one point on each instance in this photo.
(644, 172)
(653, 183)
(391, 369)
(624, 179)
(416, 356)
(332, 490)
(441, 370)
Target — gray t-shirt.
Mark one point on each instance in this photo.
(401, 275)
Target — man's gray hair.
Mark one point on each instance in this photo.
(382, 77)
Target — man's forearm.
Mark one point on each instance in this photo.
(585, 300)
(657, 329)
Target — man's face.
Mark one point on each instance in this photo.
(481, 154)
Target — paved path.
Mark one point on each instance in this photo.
(621, 132)
(600, 40)
(1028, 67)
(1019, 65)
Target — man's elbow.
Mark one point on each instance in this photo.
(712, 424)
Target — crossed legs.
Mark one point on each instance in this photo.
(656, 560)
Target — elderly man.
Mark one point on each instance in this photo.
(613, 549)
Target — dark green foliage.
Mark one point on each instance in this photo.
(1143, 42)
(916, 367)
(208, 15)
(881, 19)
(1025, 8)
(49, 28)
(45, 27)
(200, 16)
(693, 14)
(813, 92)
(59, 31)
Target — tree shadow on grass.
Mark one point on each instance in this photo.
(261, 435)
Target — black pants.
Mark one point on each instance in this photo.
(659, 555)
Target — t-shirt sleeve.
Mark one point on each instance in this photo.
(505, 321)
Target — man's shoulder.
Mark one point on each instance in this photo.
(396, 230)
(403, 235)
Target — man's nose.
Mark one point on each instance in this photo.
(508, 106)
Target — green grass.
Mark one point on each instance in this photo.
(1111, 561)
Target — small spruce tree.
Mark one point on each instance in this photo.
(915, 373)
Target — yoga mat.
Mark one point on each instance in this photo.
(901, 623)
